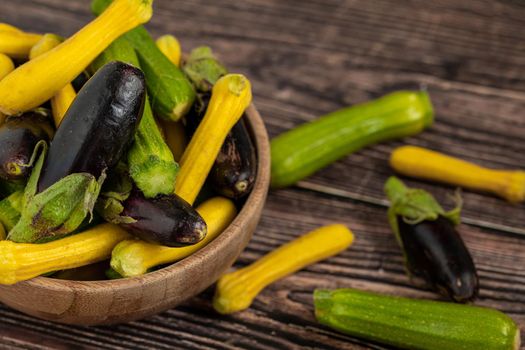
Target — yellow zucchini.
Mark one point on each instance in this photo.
(61, 101)
(134, 257)
(46, 43)
(430, 165)
(54, 69)
(175, 137)
(231, 95)
(170, 47)
(236, 290)
(4, 27)
(65, 96)
(16, 43)
(22, 261)
(6, 65)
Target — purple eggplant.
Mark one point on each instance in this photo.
(433, 249)
(234, 171)
(166, 219)
(435, 252)
(18, 139)
(99, 126)
(96, 131)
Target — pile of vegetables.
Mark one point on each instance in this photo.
(86, 164)
(107, 145)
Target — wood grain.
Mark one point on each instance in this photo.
(306, 58)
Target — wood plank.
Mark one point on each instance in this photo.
(373, 263)
(306, 58)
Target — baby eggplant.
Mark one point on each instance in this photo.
(433, 249)
(19, 136)
(94, 134)
(99, 126)
(166, 219)
(233, 173)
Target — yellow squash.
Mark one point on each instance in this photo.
(429, 165)
(4, 27)
(38, 80)
(175, 137)
(135, 257)
(170, 47)
(236, 291)
(231, 95)
(22, 261)
(16, 43)
(65, 96)
(6, 65)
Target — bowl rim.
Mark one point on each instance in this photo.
(257, 128)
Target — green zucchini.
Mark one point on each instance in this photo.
(151, 163)
(170, 91)
(10, 209)
(415, 324)
(302, 151)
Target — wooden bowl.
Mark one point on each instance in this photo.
(128, 299)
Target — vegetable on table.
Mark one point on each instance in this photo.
(231, 95)
(415, 324)
(16, 43)
(58, 67)
(236, 290)
(432, 247)
(4, 27)
(61, 101)
(19, 137)
(151, 163)
(166, 219)
(302, 151)
(6, 65)
(430, 165)
(170, 47)
(23, 261)
(203, 68)
(171, 94)
(235, 168)
(175, 137)
(10, 209)
(135, 257)
(90, 141)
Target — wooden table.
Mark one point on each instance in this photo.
(306, 58)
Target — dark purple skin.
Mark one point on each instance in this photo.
(234, 171)
(436, 253)
(18, 138)
(166, 220)
(99, 126)
(233, 174)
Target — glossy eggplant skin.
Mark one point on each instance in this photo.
(166, 219)
(99, 126)
(233, 174)
(18, 139)
(435, 252)
(234, 171)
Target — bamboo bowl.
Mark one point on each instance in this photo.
(128, 299)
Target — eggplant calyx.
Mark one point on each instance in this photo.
(110, 209)
(58, 210)
(203, 68)
(416, 205)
